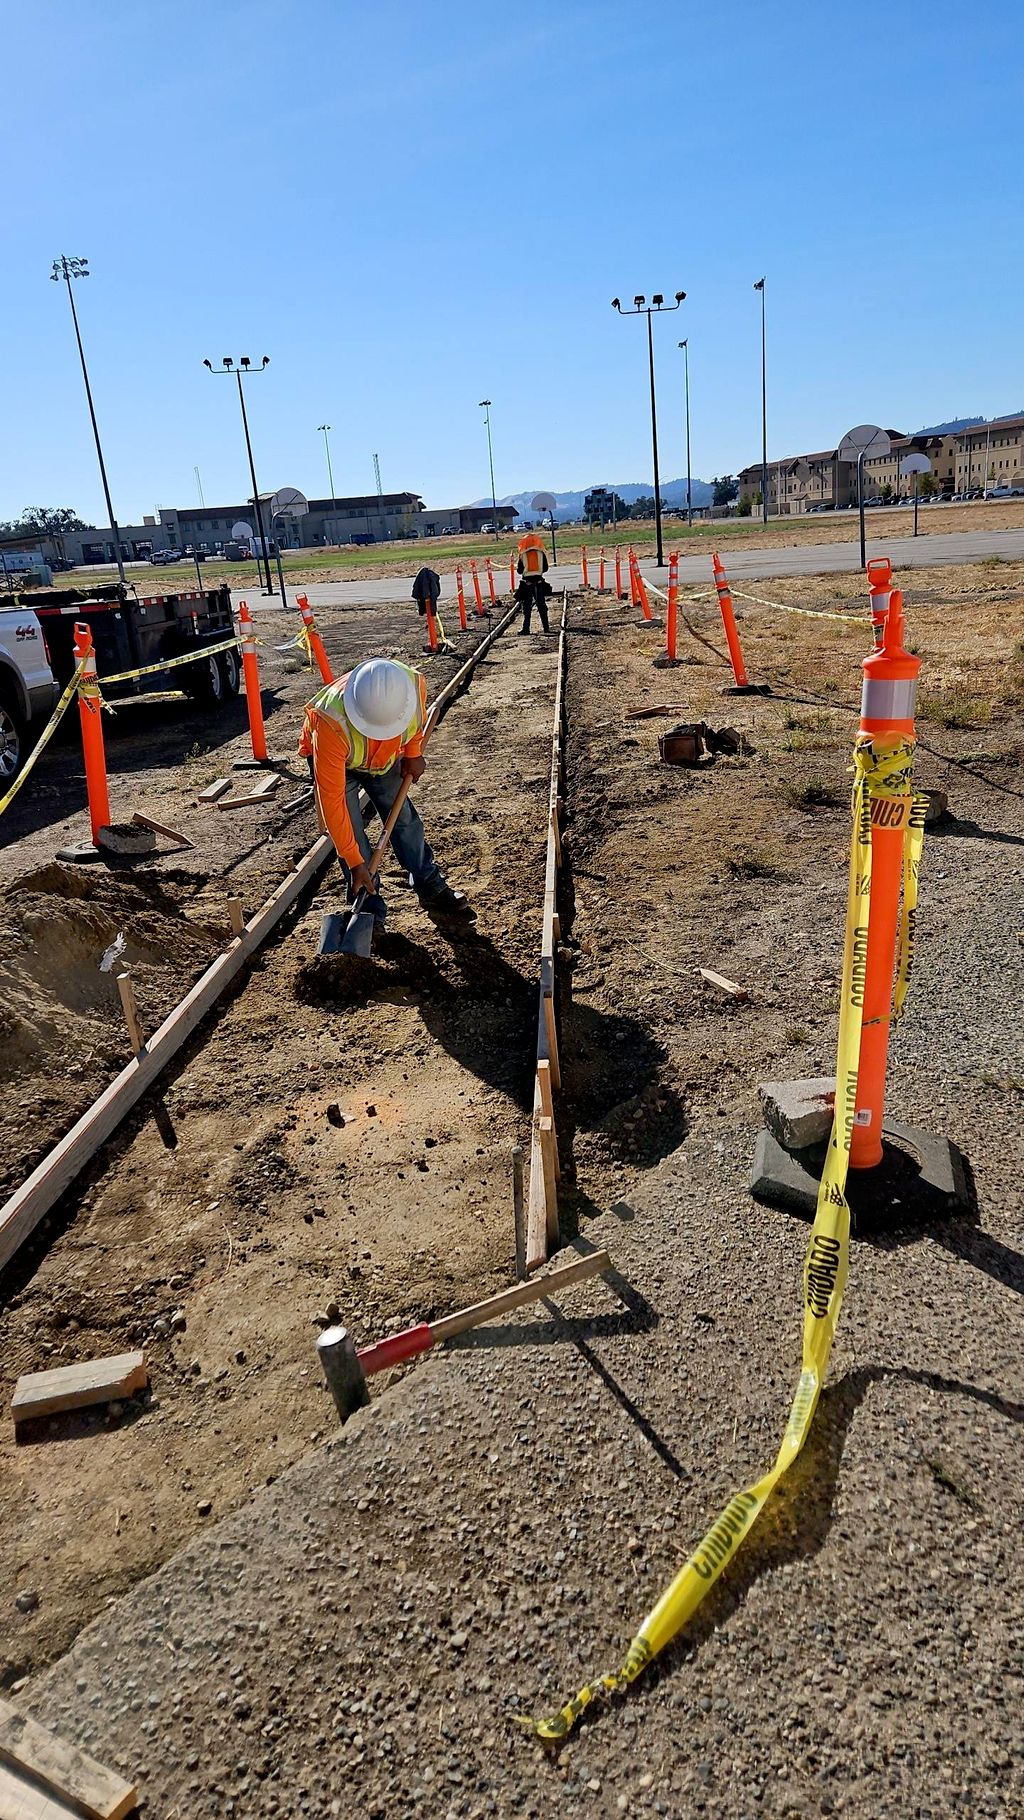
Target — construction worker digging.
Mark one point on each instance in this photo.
(365, 732)
(533, 590)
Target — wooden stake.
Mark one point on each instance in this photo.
(236, 915)
(126, 993)
(729, 987)
(547, 1106)
(518, 1210)
(546, 1130)
(520, 1296)
(219, 787)
(552, 1036)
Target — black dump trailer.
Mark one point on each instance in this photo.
(130, 632)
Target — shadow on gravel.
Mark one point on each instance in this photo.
(798, 1516)
(973, 831)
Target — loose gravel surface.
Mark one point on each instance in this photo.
(359, 1637)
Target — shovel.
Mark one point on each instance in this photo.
(351, 931)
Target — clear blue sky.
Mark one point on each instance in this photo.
(412, 206)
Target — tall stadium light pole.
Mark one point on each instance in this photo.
(67, 269)
(759, 286)
(685, 345)
(246, 367)
(326, 428)
(485, 406)
(642, 308)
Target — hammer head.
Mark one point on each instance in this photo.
(339, 1360)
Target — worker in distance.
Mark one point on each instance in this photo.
(365, 732)
(533, 590)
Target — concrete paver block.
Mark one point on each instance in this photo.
(799, 1113)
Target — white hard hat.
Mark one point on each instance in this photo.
(381, 698)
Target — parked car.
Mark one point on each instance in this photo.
(28, 691)
(165, 556)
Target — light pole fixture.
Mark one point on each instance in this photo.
(642, 308)
(685, 345)
(485, 406)
(68, 269)
(759, 286)
(246, 367)
(326, 428)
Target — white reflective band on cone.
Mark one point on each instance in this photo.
(888, 700)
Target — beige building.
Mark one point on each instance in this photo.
(884, 470)
(990, 455)
(801, 482)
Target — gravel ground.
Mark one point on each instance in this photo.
(359, 1639)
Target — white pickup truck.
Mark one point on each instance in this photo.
(28, 691)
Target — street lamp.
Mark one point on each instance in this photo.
(685, 345)
(246, 367)
(485, 406)
(759, 286)
(326, 428)
(79, 268)
(642, 308)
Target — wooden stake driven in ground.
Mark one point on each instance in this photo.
(34, 1756)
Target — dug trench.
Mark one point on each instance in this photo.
(336, 1140)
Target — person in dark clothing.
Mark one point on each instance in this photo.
(533, 590)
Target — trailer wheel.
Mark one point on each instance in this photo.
(231, 671)
(204, 682)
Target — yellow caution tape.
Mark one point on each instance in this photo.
(172, 663)
(880, 770)
(781, 606)
(44, 738)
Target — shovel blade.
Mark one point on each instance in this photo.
(358, 937)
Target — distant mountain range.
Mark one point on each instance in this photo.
(956, 424)
(570, 505)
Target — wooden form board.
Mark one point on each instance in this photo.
(219, 787)
(22, 1212)
(262, 792)
(43, 1776)
(155, 827)
(542, 1202)
(47, 1393)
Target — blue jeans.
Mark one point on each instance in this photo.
(408, 839)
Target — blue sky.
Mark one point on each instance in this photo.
(410, 207)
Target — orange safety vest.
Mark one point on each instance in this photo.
(336, 747)
(531, 555)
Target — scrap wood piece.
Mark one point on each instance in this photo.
(47, 1393)
(729, 987)
(146, 821)
(264, 789)
(650, 713)
(219, 787)
(81, 1785)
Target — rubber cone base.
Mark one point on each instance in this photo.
(921, 1177)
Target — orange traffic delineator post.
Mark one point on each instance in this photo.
(461, 596)
(476, 588)
(634, 592)
(887, 726)
(583, 566)
(884, 1183)
(512, 572)
(251, 675)
(879, 595)
(432, 639)
(314, 640)
(490, 582)
(619, 595)
(600, 573)
(673, 607)
(743, 685)
(640, 587)
(90, 709)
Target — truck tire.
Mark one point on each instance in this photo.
(231, 670)
(205, 682)
(13, 739)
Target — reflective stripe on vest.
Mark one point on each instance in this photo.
(330, 702)
(888, 700)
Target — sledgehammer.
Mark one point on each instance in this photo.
(347, 1367)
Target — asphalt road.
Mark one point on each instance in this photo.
(798, 559)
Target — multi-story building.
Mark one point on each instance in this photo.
(801, 482)
(990, 454)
